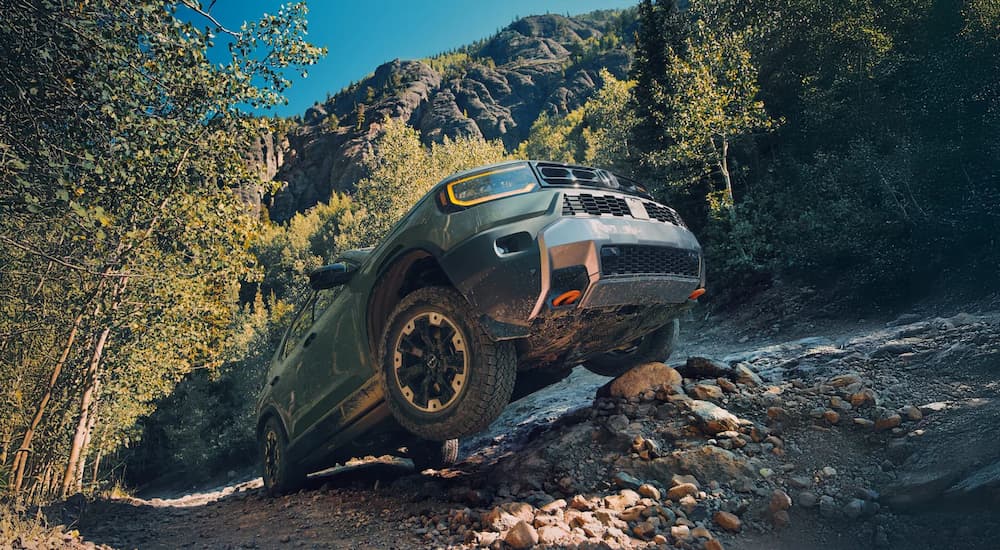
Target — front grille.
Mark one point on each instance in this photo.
(662, 213)
(627, 260)
(594, 205)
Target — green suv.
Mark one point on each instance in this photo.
(497, 282)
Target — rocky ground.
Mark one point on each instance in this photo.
(881, 436)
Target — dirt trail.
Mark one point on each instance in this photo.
(867, 436)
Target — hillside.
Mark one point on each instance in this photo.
(494, 89)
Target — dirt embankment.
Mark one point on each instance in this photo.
(869, 437)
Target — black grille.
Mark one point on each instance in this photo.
(624, 260)
(594, 205)
(662, 213)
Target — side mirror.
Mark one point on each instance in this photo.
(330, 276)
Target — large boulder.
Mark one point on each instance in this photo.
(648, 376)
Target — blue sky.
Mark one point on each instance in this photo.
(362, 35)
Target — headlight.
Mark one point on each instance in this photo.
(491, 185)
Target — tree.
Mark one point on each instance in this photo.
(119, 147)
(401, 171)
(715, 103)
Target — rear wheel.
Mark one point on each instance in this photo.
(435, 454)
(655, 346)
(443, 376)
(280, 475)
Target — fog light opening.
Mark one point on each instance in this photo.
(567, 298)
(696, 294)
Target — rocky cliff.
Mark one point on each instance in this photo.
(495, 89)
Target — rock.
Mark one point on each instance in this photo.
(726, 385)
(580, 502)
(911, 413)
(800, 482)
(678, 479)
(746, 376)
(622, 500)
(864, 423)
(844, 380)
(643, 377)
(551, 507)
(781, 519)
(886, 420)
(828, 471)
(552, 534)
(827, 506)
(499, 519)
(779, 501)
(858, 507)
(485, 539)
(659, 540)
(521, 510)
(649, 491)
(623, 479)
(705, 391)
(712, 418)
(645, 529)
(617, 423)
(688, 503)
(713, 544)
(682, 490)
(865, 397)
(700, 368)
(892, 348)
(633, 513)
(680, 532)
(934, 407)
(727, 521)
(521, 536)
(831, 416)
(701, 533)
(807, 499)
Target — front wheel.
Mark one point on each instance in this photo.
(655, 346)
(280, 475)
(443, 377)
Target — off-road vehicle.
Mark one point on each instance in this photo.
(506, 275)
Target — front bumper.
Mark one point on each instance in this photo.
(571, 242)
(528, 252)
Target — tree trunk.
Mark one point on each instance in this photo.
(724, 168)
(91, 422)
(21, 456)
(96, 466)
(86, 401)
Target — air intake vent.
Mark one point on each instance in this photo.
(630, 260)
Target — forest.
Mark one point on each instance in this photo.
(846, 146)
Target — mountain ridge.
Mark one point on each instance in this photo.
(494, 89)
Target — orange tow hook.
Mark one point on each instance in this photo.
(566, 298)
(696, 294)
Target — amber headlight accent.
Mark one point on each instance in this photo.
(491, 185)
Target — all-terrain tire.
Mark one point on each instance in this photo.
(488, 374)
(655, 346)
(436, 455)
(280, 474)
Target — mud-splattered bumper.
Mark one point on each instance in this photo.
(516, 267)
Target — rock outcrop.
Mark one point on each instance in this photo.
(527, 69)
